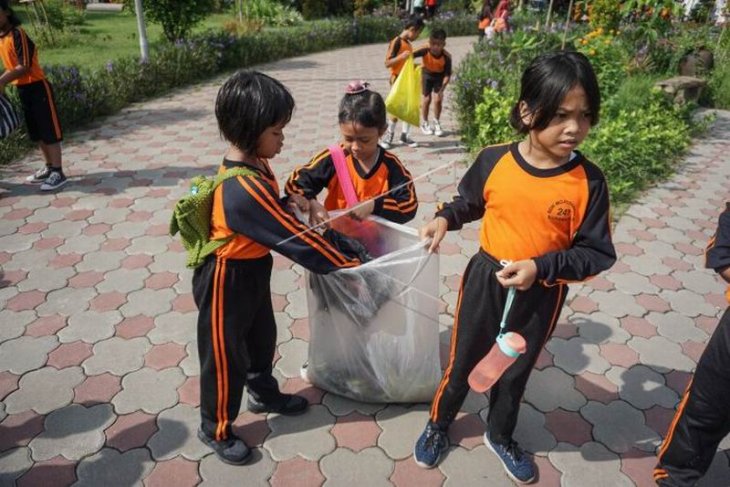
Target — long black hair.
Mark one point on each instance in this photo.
(248, 103)
(547, 80)
(12, 18)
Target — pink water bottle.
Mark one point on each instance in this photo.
(508, 348)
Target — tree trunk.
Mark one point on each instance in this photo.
(143, 44)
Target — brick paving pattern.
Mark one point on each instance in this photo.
(98, 365)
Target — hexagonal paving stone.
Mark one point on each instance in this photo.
(616, 304)
(307, 435)
(15, 463)
(19, 429)
(123, 280)
(66, 302)
(632, 283)
(175, 327)
(13, 323)
(23, 354)
(296, 471)
(137, 385)
(551, 388)
(661, 354)
(401, 428)
(178, 472)
(177, 434)
(577, 355)
(117, 356)
(604, 471)
(293, 355)
(620, 427)
(97, 389)
(73, 431)
(109, 467)
(131, 431)
(370, 467)
(148, 302)
(42, 280)
(90, 326)
(532, 433)
(56, 471)
(676, 327)
(471, 468)
(356, 432)
(44, 390)
(687, 303)
(342, 406)
(642, 387)
(258, 470)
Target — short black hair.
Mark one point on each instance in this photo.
(366, 108)
(414, 22)
(438, 35)
(547, 80)
(248, 103)
(12, 18)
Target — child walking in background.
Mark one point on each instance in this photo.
(236, 326)
(544, 208)
(703, 416)
(20, 60)
(373, 171)
(435, 76)
(398, 51)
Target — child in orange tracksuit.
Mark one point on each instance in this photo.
(703, 416)
(544, 207)
(20, 59)
(382, 184)
(236, 326)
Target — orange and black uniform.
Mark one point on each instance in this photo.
(702, 419)
(396, 47)
(397, 205)
(36, 93)
(433, 69)
(558, 217)
(236, 327)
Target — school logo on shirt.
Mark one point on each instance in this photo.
(561, 210)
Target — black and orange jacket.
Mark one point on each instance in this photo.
(16, 49)
(388, 173)
(249, 208)
(435, 66)
(559, 217)
(397, 45)
(717, 255)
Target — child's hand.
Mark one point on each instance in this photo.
(436, 230)
(520, 274)
(317, 213)
(363, 210)
(404, 55)
(299, 201)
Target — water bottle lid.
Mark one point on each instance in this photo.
(511, 344)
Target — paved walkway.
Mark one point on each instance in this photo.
(98, 366)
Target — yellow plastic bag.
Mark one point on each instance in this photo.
(404, 99)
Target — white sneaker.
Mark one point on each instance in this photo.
(426, 128)
(437, 130)
(387, 141)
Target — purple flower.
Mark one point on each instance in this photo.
(110, 66)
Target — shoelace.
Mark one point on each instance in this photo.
(514, 451)
(434, 439)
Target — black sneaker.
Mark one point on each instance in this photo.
(516, 463)
(232, 451)
(39, 176)
(54, 181)
(287, 404)
(405, 139)
(429, 447)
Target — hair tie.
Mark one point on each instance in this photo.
(355, 87)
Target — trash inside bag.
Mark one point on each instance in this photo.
(374, 333)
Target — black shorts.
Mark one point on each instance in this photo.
(431, 83)
(40, 112)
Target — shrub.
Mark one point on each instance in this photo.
(270, 12)
(607, 56)
(177, 17)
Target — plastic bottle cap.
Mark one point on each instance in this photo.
(512, 344)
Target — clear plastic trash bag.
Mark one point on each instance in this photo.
(374, 333)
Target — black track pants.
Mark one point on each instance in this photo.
(481, 301)
(236, 335)
(702, 419)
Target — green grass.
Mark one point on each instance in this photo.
(107, 36)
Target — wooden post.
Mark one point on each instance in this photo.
(567, 23)
(143, 45)
(239, 3)
(549, 14)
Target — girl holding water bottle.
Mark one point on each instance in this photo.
(544, 210)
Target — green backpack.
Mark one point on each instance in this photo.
(192, 214)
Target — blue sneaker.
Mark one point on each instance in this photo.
(429, 447)
(516, 463)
